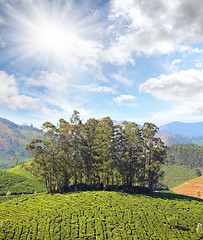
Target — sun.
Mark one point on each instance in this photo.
(48, 37)
(49, 33)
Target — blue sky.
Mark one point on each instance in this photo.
(130, 60)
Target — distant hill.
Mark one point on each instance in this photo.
(13, 139)
(179, 132)
(191, 130)
(169, 139)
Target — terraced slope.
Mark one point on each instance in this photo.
(20, 170)
(176, 175)
(101, 215)
(191, 188)
(14, 183)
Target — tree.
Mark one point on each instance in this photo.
(104, 150)
(89, 153)
(132, 152)
(15, 160)
(76, 145)
(154, 155)
(47, 161)
(98, 153)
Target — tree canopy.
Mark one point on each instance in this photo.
(190, 155)
(97, 153)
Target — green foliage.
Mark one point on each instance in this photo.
(190, 155)
(12, 183)
(21, 170)
(198, 194)
(176, 175)
(13, 141)
(101, 215)
(96, 153)
(199, 229)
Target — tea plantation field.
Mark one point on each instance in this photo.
(18, 182)
(101, 215)
(177, 175)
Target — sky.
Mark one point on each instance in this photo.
(134, 60)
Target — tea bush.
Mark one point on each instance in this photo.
(101, 215)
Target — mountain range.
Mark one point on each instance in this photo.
(180, 132)
(184, 129)
(14, 137)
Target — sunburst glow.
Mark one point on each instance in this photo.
(49, 38)
(55, 36)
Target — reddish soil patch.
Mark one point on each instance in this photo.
(192, 188)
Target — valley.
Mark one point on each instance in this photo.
(27, 212)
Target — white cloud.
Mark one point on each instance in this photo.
(2, 42)
(198, 63)
(153, 27)
(184, 111)
(122, 79)
(50, 80)
(125, 100)
(2, 20)
(10, 96)
(69, 108)
(189, 108)
(179, 86)
(173, 67)
(184, 89)
(97, 88)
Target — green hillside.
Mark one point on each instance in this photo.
(189, 155)
(13, 139)
(176, 175)
(20, 170)
(18, 183)
(101, 215)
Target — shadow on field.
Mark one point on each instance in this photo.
(133, 190)
(174, 196)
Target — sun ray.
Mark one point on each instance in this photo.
(52, 34)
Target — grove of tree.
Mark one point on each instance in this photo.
(97, 153)
(188, 155)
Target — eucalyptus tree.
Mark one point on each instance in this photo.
(97, 152)
(89, 152)
(119, 145)
(154, 155)
(45, 154)
(103, 149)
(76, 140)
(64, 144)
(131, 154)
